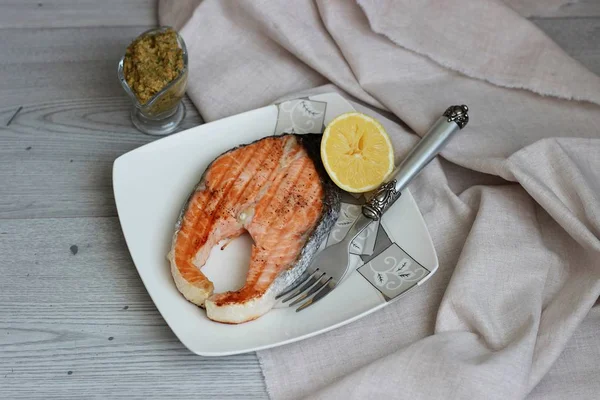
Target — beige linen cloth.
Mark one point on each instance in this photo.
(513, 204)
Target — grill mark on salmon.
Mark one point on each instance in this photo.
(277, 190)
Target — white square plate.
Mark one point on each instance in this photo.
(151, 184)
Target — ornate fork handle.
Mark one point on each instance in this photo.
(382, 199)
(453, 119)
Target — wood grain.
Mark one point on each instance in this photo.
(89, 313)
(76, 13)
(555, 8)
(579, 37)
(569, 8)
(40, 65)
(84, 13)
(56, 158)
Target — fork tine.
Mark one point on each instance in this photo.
(313, 280)
(316, 288)
(300, 288)
(299, 281)
(324, 291)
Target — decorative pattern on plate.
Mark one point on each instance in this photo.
(393, 272)
(365, 242)
(300, 116)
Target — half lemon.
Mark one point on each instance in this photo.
(357, 152)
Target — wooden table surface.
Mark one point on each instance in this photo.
(75, 319)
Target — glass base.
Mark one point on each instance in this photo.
(158, 127)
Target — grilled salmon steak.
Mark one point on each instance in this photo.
(276, 190)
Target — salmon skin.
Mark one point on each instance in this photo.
(277, 190)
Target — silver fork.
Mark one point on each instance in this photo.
(324, 273)
(331, 265)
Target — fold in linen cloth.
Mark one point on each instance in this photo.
(513, 204)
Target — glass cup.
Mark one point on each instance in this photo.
(165, 110)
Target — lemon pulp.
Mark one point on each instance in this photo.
(357, 152)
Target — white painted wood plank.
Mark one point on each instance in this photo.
(88, 313)
(579, 37)
(564, 8)
(76, 13)
(38, 65)
(84, 13)
(56, 158)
